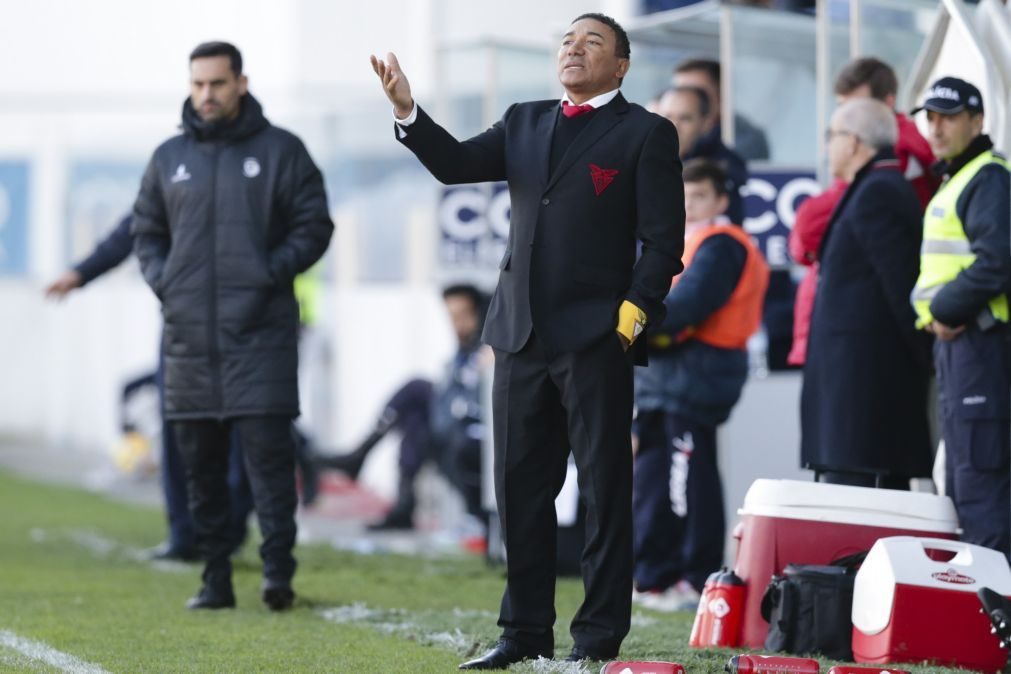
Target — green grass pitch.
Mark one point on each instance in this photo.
(71, 579)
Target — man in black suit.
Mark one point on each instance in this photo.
(588, 179)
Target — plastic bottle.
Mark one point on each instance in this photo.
(851, 669)
(726, 605)
(703, 625)
(642, 667)
(771, 664)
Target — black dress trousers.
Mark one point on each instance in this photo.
(546, 404)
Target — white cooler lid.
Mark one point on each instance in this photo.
(794, 499)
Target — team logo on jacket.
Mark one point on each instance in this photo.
(952, 576)
(251, 167)
(181, 174)
(602, 177)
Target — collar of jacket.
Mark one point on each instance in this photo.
(884, 159)
(249, 121)
(978, 146)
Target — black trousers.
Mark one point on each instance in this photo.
(974, 401)
(268, 450)
(545, 405)
(853, 479)
(677, 502)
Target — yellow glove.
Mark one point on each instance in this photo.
(631, 321)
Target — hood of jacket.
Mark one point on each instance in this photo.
(249, 121)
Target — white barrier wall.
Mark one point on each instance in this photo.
(63, 364)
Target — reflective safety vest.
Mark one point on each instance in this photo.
(730, 326)
(946, 250)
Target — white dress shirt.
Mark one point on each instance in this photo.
(595, 102)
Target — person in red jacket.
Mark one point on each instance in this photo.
(860, 78)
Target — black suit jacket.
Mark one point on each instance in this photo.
(572, 252)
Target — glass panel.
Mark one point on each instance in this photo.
(522, 74)
(772, 68)
(838, 48)
(371, 180)
(463, 80)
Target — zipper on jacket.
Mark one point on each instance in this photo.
(212, 306)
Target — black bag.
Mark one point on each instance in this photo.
(808, 608)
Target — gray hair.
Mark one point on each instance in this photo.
(870, 120)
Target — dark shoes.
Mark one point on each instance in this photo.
(211, 597)
(398, 519)
(401, 515)
(505, 653)
(278, 597)
(172, 553)
(349, 464)
(580, 654)
(998, 609)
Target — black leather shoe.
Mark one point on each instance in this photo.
(278, 597)
(505, 653)
(998, 609)
(349, 464)
(580, 654)
(395, 520)
(212, 598)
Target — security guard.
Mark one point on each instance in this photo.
(962, 297)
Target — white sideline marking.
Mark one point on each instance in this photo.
(36, 650)
(104, 548)
(556, 667)
(398, 621)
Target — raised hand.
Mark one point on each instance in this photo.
(395, 84)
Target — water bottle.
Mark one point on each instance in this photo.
(851, 669)
(726, 606)
(771, 664)
(703, 625)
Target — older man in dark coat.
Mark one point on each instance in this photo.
(863, 406)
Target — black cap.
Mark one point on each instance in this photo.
(950, 96)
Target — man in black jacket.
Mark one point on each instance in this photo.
(228, 213)
(589, 177)
(108, 254)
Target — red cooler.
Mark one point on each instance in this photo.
(910, 607)
(792, 522)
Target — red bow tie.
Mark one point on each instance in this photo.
(570, 110)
